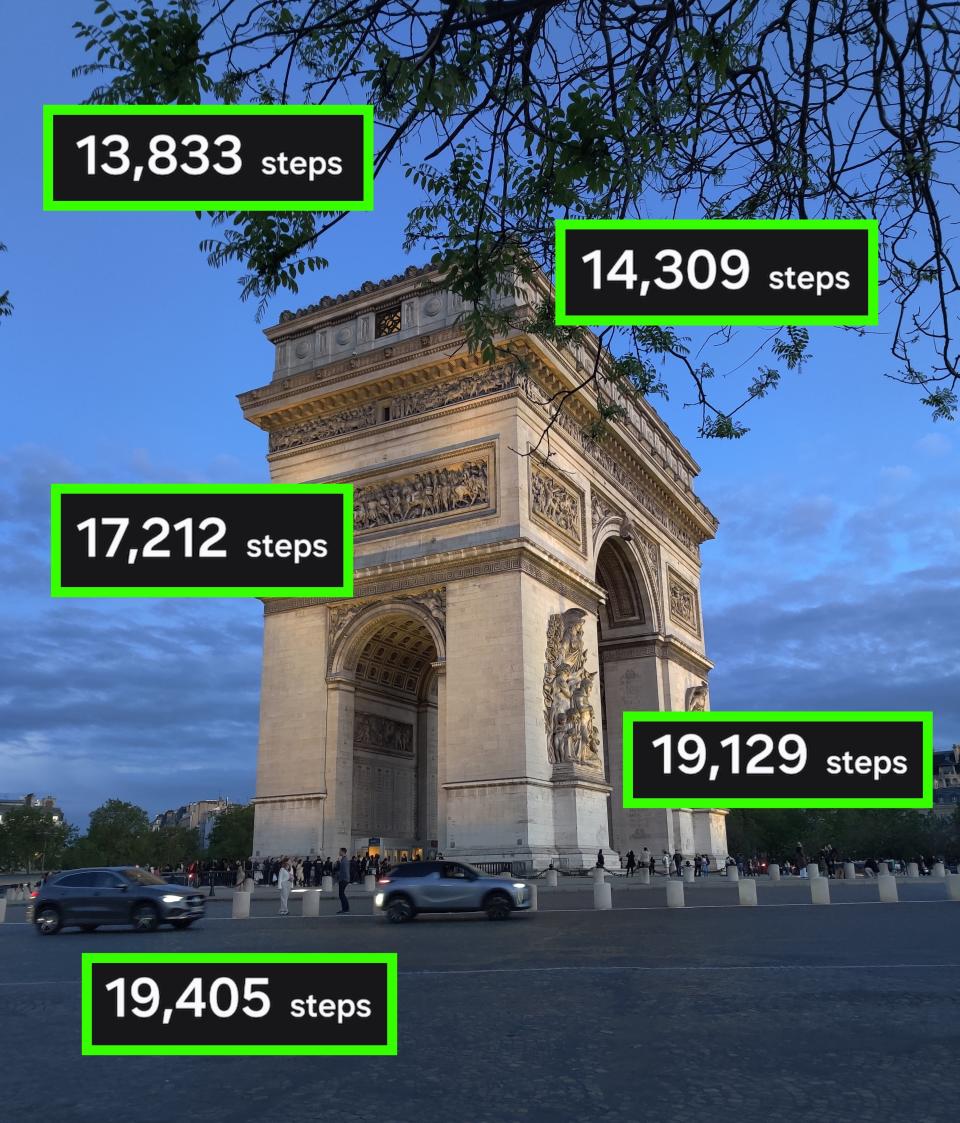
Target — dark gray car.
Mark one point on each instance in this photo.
(112, 895)
(414, 887)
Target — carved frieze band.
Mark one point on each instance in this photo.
(442, 488)
(475, 384)
(684, 607)
(557, 505)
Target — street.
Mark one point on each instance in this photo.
(839, 1013)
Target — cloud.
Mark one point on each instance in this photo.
(935, 444)
(152, 701)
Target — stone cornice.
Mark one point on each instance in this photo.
(660, 646)
(517, 555)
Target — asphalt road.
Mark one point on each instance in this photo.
(786, 1011)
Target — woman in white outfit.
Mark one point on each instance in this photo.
(283, 884)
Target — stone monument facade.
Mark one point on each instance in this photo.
(515, 593)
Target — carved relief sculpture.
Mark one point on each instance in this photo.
(683, 603)
(425, 494)
(556, 504)
(382, 734)
(572, 735)
(697, 698)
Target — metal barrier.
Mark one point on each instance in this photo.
(495, 867)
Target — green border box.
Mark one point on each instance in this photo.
(363, 204)
(345, 589)
(924, 717)
(872, 316)
(89, 1049)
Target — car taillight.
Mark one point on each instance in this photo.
(384, 881)
(34, 893)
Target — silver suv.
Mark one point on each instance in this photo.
(413, 887)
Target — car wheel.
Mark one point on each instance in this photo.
(88, 927)
(48, 921)
(182, 923)
(400, 909)
(144, 917)
(497, 906)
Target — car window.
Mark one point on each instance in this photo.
(142, 877)
(104, 879)
(454, 869)
(78, 880)
(413, 869)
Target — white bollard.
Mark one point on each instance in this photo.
(644, 874)
(599, 873)
(311, 902)
(3, 909)
(849, 871)
(774, 871)
(675, 894)
(370, 883)
(241, 905)
(326, 885)
(248, 885)
(733, 874)
(551, 878)
(938, 870)
(819, 891)
(888, 888)
(884, 869)
(532, 889)
(602, 896)
(813, 870)
(748, 892)
(913, 870)
(953, 886)
(688, 874)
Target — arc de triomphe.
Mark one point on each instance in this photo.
(513, 596)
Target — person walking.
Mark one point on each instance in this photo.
(678, 862)
(343, 880)
(631, 863)
(284, 878)
(600, 858)
(651, 865)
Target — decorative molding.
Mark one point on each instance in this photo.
(342, 616)
(684, 606)
(460, 565)
(656, 647)
(556, 504)
(602, 511)
(572, 735)
(378, 734)
(293, 796)
(413, 403)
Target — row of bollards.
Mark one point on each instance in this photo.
(747, 890)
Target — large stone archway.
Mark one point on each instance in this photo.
(455, 698)
(391, 787)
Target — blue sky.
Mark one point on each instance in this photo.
(834, 582)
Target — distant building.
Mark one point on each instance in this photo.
(946, 780)
(47, 803)
(199, 816)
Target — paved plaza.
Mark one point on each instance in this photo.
(786, 1011)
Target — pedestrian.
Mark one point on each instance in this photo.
(651, 864)
(343, 879)
(678, 862)
(696, 865)
(284, 877)
(631, 863)
(704, 865)
(665, 862)
(600, 858)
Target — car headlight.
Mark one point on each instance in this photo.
(378, 900)
(519, 885)
(172, 898)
